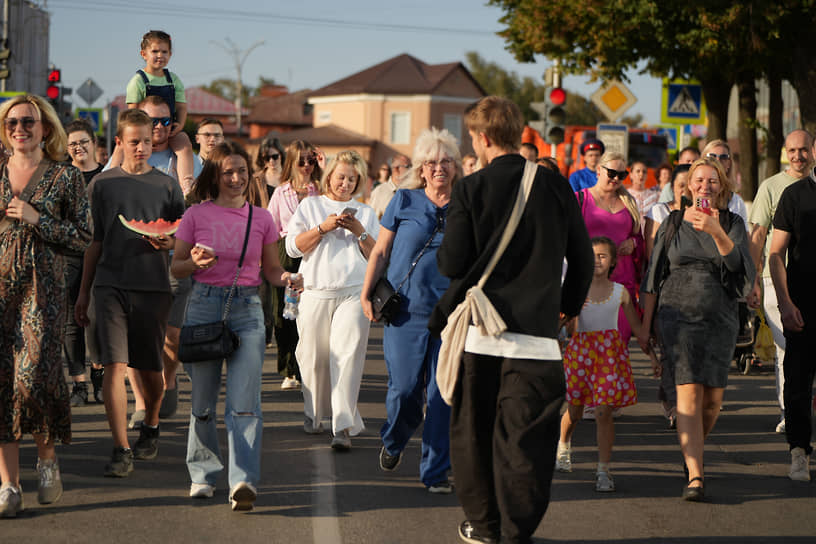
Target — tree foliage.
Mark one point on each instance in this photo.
(225, 88)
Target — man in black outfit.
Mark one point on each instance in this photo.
(505, 412)
(794, 236)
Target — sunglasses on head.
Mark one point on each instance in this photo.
(721, 156)
(164, 121)
(26, 122)
(310, 161)
(273, 156)
(620, 174)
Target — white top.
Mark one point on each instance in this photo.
(512, 345)
(381, 195)
(659, 212)
(603, 315)
(336, 262)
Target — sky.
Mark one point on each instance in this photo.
(306, 44)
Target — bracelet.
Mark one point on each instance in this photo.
(320, 231)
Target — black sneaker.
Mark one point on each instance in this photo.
(389, 462)
(79, 394)
(468, 533)
(121, 463)
(148, 444)
(97, 377)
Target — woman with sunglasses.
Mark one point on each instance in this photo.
(301, 174)
(720, 151)
(44, 211)
(333, 234)
(269, 164)
(609, 210)
(412, 229)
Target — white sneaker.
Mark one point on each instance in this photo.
(800, 469)
(341, 441)
(290, 383)
(309, 426)
(563, 462)
(780, 427)
(49, 488)
(11, 501)
(604, 482)
(242, 496)
(589, 413)
(202, 491)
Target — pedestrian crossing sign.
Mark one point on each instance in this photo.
(93, 116)
(682, 102)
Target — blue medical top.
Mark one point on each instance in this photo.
(413, 217)
(583, 179)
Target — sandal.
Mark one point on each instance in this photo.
(694, 494)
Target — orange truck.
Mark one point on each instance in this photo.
(645, 145)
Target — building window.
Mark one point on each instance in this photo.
(453, 124)
(401, 127)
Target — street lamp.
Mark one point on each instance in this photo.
(239, 57)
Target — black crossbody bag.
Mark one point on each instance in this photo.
(385, 300)
(213, 341)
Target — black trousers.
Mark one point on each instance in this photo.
(74, 343)
(800, 367)
(505, 423)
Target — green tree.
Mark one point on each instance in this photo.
(225, 88)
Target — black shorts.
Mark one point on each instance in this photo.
(130, 326)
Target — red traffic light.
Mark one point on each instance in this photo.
(54, 75)
(558, 96)
(52, 92)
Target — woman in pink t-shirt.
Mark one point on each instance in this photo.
(301, 174)
(209, 244)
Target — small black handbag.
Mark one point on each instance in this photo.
(213, 341)
(385, 300)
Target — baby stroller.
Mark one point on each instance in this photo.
(744, 353)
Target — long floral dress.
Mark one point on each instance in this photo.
(33, 393)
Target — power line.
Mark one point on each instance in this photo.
(196, 12)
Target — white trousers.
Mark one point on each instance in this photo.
(331, 355)
(774, 321)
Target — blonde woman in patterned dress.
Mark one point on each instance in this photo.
(33, 391)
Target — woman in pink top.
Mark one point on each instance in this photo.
(301, 173)
(609, 210)
(209, 244)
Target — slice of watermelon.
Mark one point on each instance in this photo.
(159, 227)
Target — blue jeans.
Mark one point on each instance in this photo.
(242, 411)
(411, 354)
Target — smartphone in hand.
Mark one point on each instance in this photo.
(349, 211)
(703, 204)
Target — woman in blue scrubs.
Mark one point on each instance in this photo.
(411, 230)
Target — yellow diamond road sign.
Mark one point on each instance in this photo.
(613, 99)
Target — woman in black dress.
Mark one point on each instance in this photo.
(700, 265)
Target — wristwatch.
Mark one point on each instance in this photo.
(363, 237)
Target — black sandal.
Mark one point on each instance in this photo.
(694, 494)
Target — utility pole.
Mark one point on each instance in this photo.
(239, 57)
(5, 43)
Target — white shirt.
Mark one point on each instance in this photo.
(336, 262)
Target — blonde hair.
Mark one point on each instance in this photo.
(430, 144)
(349, 157)
(628, 200)
(55, 141)
(721, 200)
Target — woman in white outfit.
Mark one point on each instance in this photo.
(332, 233)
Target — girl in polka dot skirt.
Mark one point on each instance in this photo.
(596, 363)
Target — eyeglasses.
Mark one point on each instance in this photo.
(210, 134)
(721, 156)
(164, 121)
(444, 163)
(26, 122)
(620, 174)
(401, 165)
(311, 161)
(273, 156)
(79, 143)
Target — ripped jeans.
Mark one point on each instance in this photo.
(242, 410)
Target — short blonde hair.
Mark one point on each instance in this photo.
(721, 200)
(350, 157)
(429, 145)
(627, 199)
(55, 141)
(499, 119)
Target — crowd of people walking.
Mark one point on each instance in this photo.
(594, 259)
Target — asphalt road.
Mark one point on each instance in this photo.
(309, 493)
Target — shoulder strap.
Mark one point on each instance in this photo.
(581, 197)
(167, 75)
(144, 76)
(725, 220)
(525, 187)
(28, 190)
(240, 265)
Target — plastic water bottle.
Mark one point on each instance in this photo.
(291, 299)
